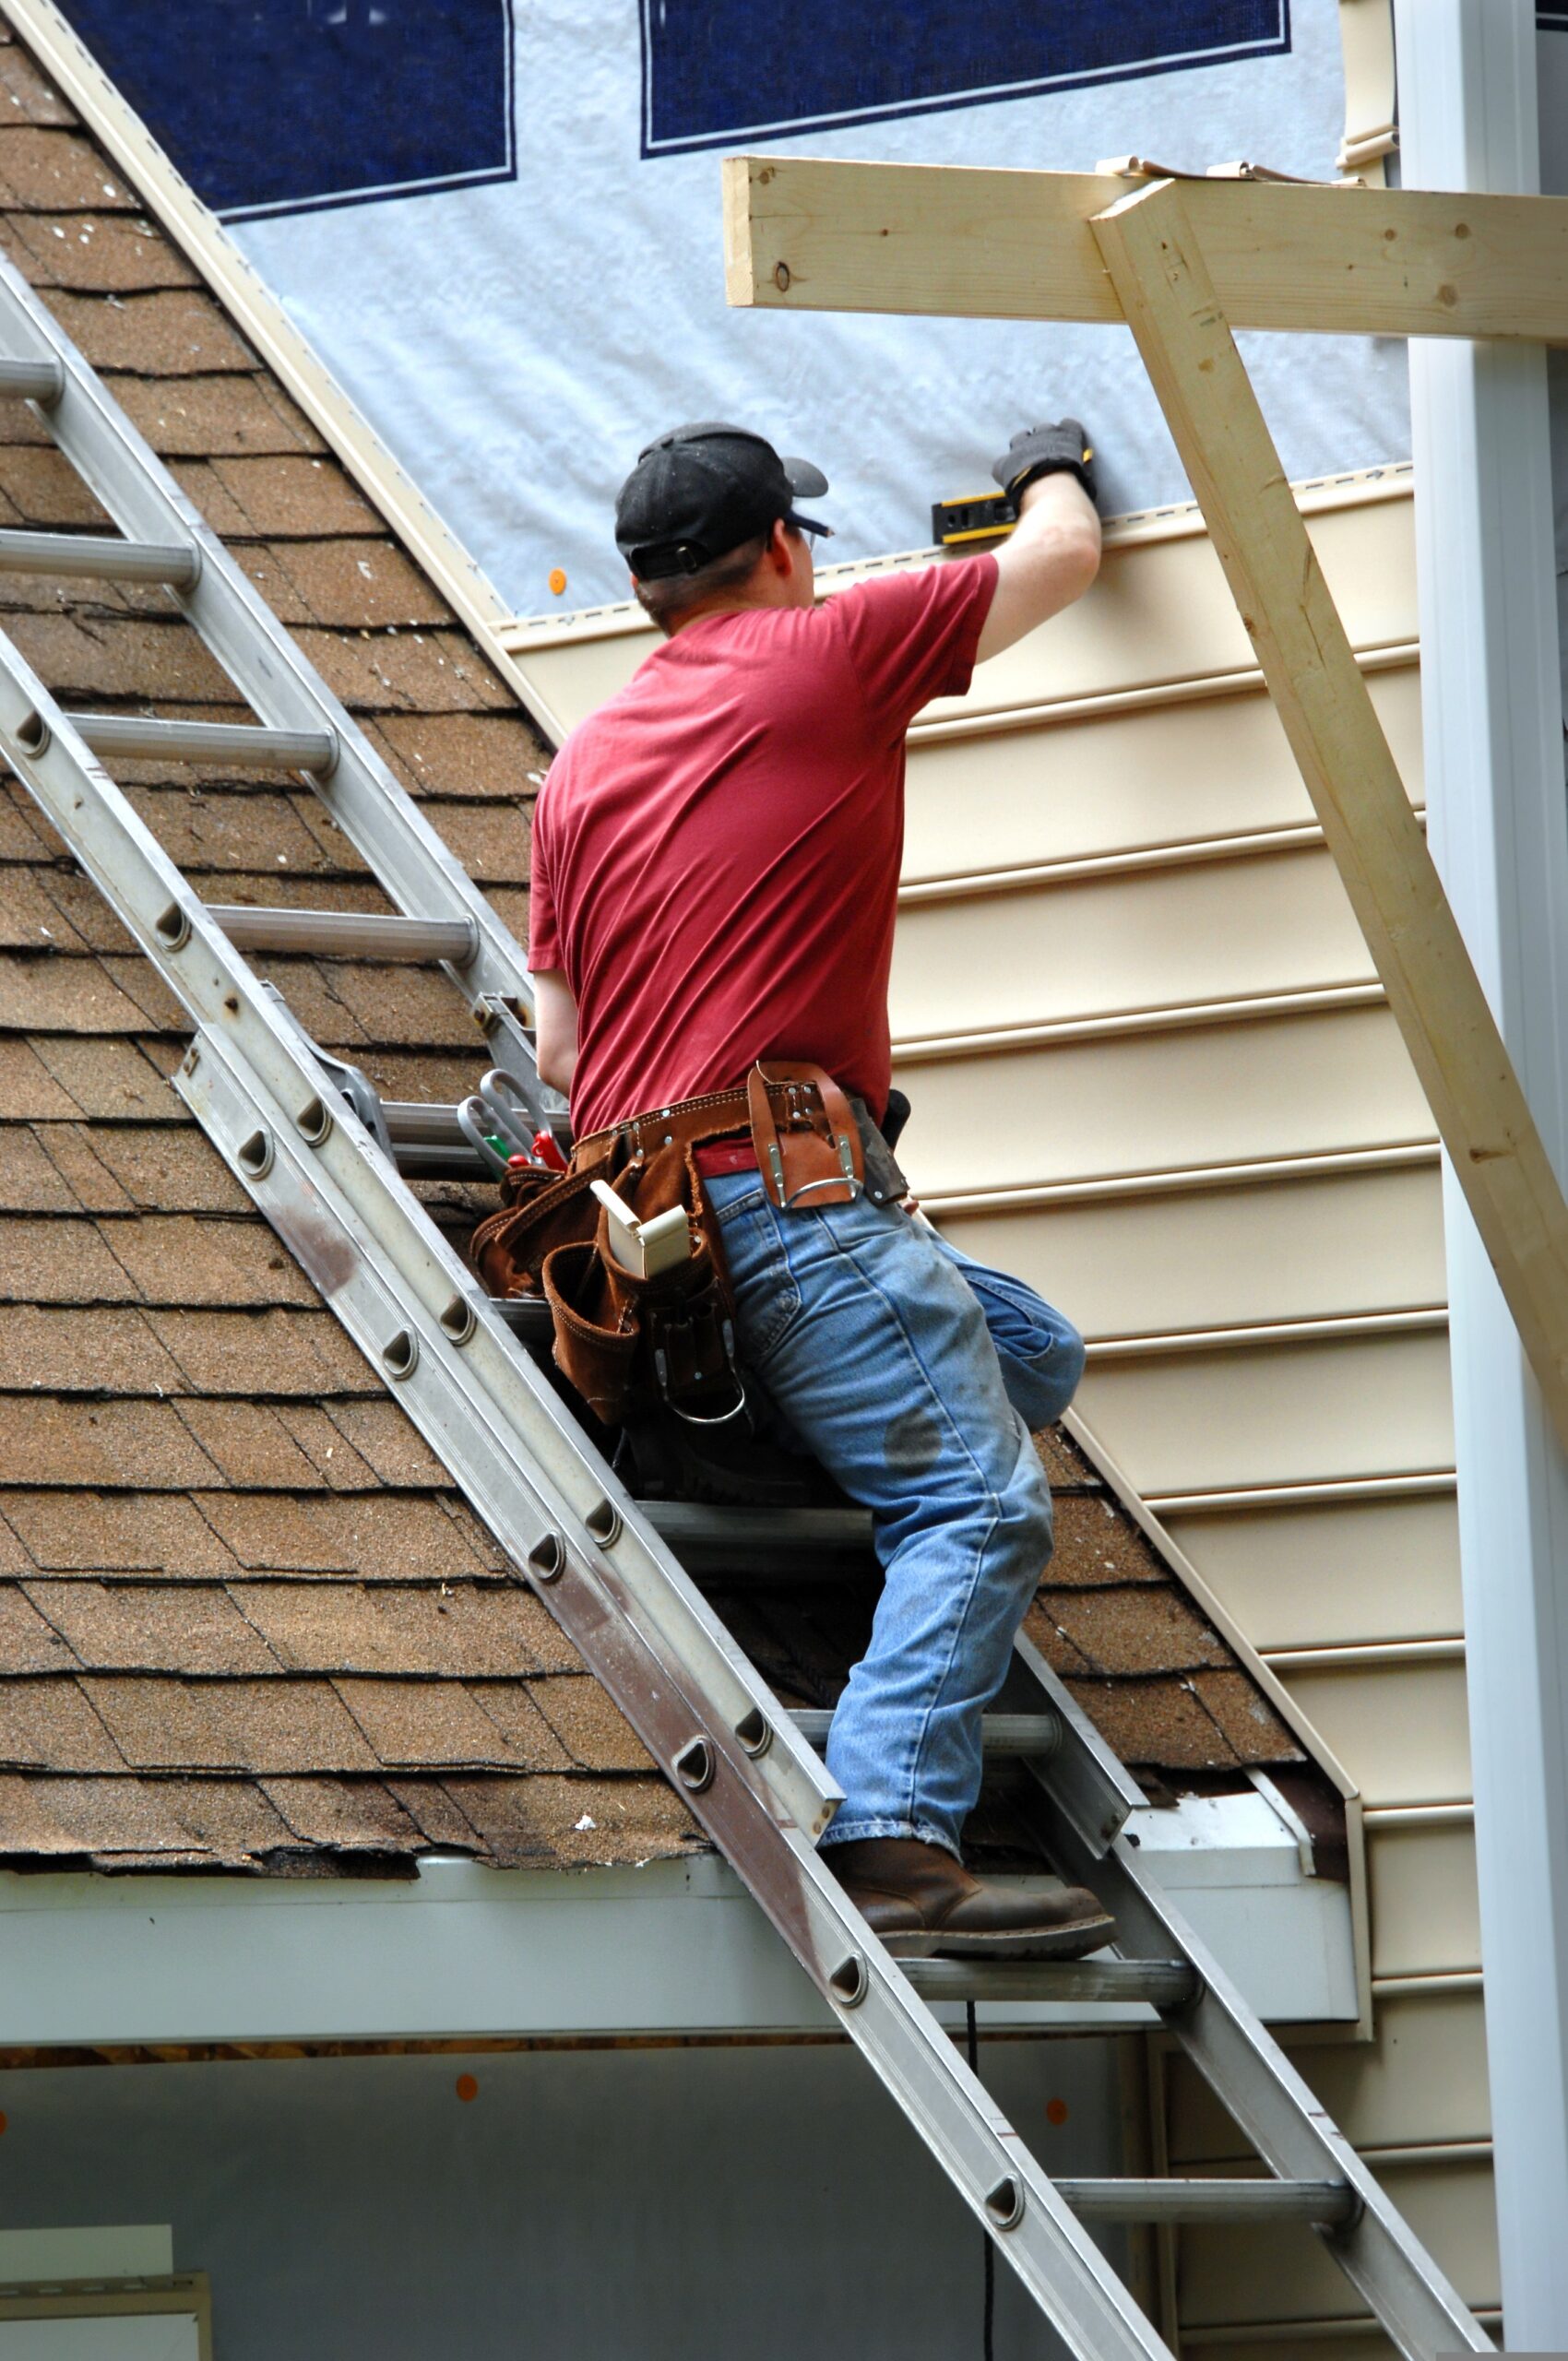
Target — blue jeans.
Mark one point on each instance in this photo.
(914, 1375)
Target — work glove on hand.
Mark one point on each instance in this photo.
(1061, 449)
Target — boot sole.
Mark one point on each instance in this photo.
(1074, 1941)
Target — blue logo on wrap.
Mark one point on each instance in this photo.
(282, 106)
(714, 71)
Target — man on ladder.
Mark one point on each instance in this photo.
(716, 860)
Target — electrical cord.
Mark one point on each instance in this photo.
(988, 2347)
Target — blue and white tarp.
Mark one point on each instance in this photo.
(498, 221)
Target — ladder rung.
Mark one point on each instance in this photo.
(414, 1124)
(1211, 2201)
(1161, 1983)
(1032, 1734)
(39, 381)
(743, 1541)
(135, 736)
(351, 934)
(96, 554)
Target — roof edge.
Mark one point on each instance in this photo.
(1166, 1546)
(282, 347)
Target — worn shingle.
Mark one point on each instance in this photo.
(72, 1532)
(107, 1080)
(54, 1440)
(28, 1640)
(151, 1626)
(28, 97)
(74, 1156)
(30, 1182)
(463, 755)
(1160, 1721)
(353, 583)
(218, 417)
(594, 1732)
(176, 332)
(169, 1170)
(449, 1628)
(250, 1444)
(49, 1724)
(287, 498)
(67, 1350)
(93, 252)
(1134, 1629)
(58, 1261)
(264, 1353)
(42, 488)
(47, 994)
(393, 1447)
(345, 1815)
(266, 1726)
(180, 1258)
(414, 1723)
(378, 1537)
(49, 170)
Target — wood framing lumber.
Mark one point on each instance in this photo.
(808, 233)
(1157, 261)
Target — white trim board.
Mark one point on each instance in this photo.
(671, 1946)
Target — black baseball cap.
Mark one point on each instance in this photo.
(701, 491)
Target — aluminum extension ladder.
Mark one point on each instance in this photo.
(611, 1578)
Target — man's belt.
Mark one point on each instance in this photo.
(804, 1135)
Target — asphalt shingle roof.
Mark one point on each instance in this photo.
(246, 1620)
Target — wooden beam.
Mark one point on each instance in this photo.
(808, 234)
(1157, 264)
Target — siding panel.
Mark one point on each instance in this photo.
(1301, 1250)
(1332, 1576)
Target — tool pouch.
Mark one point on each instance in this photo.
(623, 1342)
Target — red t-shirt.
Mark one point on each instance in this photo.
(716, 850)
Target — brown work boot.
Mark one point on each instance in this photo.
(924, 1905)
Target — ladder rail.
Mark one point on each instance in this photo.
(402, 1292)
(335, 1201)
(1379, 2253)
(445, 1302)
(422, 876)
(874, 2003)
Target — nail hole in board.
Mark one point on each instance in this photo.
(849, 1981)
(1005, 2203)
(695, 1764)
(254, 1156)
(458, 1320)
(605, 1524)
(547, 1558)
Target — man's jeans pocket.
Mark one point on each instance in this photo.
(1040, 1351)
(766, 1293)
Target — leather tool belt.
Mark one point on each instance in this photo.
(625, 1342)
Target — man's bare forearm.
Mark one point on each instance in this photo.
(1048, 561)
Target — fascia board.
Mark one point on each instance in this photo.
(463, 1951)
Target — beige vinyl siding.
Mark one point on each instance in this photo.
(1152, 1072)
(1224, 771)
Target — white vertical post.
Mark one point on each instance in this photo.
(1493, 715)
